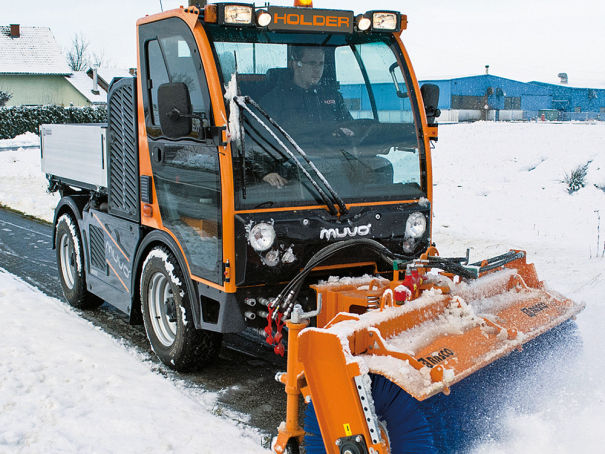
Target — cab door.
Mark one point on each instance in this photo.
(185, 167)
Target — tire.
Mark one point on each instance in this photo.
(70, 263)
(168, 318)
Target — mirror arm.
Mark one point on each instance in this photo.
(175, 114)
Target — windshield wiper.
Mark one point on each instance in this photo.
(242, 101)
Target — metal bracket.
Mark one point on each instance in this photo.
(368, 409)
(216, 134)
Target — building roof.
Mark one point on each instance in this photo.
(34, 51)
(106, 75)
(84, 84)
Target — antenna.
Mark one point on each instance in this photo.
(161, 7)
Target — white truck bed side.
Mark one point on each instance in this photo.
(77, 153)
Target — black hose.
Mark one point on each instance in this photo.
(287, 297)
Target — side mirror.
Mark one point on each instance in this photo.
(175, 109)
(430, 96)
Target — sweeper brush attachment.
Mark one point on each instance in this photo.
(382, 348)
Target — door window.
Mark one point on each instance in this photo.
(186, 170)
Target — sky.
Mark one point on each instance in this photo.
(519, 39)
(57, 387)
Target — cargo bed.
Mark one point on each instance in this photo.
(75, 154)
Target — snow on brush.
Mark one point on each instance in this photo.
(65, 386)
(497, 186)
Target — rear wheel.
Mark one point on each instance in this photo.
(70, 261)
(168, 318)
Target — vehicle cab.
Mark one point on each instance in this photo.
(270, 133)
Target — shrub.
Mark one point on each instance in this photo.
(4, 97)
(15, 121)
(576, 180)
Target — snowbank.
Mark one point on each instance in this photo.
(66, 386)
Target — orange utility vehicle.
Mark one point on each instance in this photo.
(269, 167)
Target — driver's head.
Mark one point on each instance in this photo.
(308, 65)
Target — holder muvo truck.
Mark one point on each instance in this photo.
(270, 169)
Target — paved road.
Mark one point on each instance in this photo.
(243, 376)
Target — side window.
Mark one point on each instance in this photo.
(170, 59)
(252, 58)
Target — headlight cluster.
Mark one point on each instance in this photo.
(262, 239)
(415, 227)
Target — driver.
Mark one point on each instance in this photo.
(307, 109)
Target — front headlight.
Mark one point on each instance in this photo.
(415, 225)
(261, 237)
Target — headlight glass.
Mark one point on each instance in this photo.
(261, 236)
(384, 21)
(364, 23)
(263, 18)
(237, 14)
(415, 226)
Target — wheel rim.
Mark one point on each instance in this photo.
(68, 261)
(161, 306)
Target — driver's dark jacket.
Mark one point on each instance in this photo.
(307, 115)
(311, 117)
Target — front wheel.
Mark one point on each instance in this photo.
(168, 318)
(70, 261)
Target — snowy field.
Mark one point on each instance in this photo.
(496, 186)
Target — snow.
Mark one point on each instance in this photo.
(66, 386)
(497, 186)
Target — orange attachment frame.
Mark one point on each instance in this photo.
(327, 365)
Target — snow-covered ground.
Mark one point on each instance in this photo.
(496, 186)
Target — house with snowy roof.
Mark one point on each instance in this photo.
(35, 72)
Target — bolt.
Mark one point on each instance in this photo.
(305, 222)
(308, 399)
(338, 442)
(358, 439)
(371, 334)
(378, 216)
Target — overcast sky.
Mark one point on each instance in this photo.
(519, 39)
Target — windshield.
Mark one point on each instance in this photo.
(342, 99)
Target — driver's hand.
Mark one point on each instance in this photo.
(347, 132)
(275, 180)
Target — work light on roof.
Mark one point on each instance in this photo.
(384, 21)
(364, 23)
(238, 15)
(263, 18)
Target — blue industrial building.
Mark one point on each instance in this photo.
(488, 97)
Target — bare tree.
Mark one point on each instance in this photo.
(100, 60)
(77, 56)
(4, 97)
